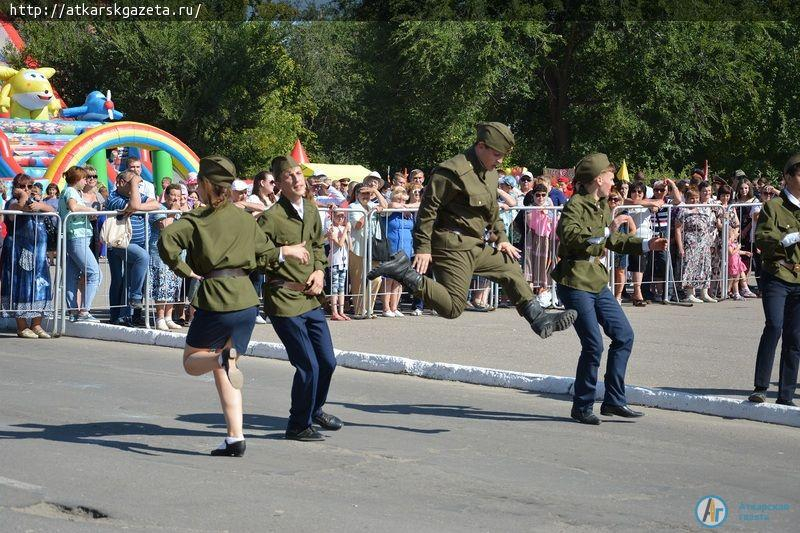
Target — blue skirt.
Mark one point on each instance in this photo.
(212, 329)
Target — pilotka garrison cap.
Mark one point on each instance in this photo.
(282, 163)
(795, 159)
(496, 136)
(590, 167)
(217, 169)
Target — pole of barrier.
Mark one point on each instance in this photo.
(723, 290)
(366, 287)
(147, 277)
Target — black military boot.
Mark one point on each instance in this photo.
(398, 268)
(544, 324)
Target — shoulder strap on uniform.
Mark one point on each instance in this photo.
(458, 165)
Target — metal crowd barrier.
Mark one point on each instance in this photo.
(374, 216)
(12, 306)
(719, 248)
(531, 241)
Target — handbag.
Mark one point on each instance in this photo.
(380, 247)
(117, 232)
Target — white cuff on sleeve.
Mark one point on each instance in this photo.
(645, 246)
(790, 239)
(608, 233)
(281, 259)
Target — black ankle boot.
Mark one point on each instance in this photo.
(398, 268)
(544, 324)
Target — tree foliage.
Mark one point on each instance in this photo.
(395, 90)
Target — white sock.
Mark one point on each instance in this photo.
(229, 440)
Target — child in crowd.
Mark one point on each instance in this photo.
(737, 270)
(339, 239)
(541, 225)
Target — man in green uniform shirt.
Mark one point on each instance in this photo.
(778, 238)
(457, 220)
(582, 284)
(290, 301)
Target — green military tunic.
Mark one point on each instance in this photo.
(778, 218)
(282, 225)
(583, 219)
(458, 207)
(217, 239)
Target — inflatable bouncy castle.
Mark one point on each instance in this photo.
(42, 137)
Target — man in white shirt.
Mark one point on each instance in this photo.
(134, 164)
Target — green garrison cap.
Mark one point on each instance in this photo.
(217, 169)
(496, 136)
(795, 159)
(590, 167)
(282, 163)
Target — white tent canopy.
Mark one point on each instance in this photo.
(356, 173)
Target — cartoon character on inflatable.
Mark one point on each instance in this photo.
(96, 108)
(27, 93)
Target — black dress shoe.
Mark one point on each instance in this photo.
(326, 421)
(619, 410)
(230, 450)
(308, 434)
(790, 403)
(758, 396)
(585, 417)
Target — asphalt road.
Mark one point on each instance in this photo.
(704, 349)
(119, 429)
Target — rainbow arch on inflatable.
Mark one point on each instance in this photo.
(81, 148)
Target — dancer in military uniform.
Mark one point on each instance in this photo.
(582, 284)
(291, 301)
(223, 245)
(457, 216)
(777, 236)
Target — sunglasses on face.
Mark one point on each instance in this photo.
(613, 199)
(540, 195)
(91, 177)
(659, 190)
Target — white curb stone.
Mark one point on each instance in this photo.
(650, 397)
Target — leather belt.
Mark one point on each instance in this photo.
(794, 267)
(286, 284)
(226, 273)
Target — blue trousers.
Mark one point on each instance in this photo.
(310, 348)
(81, 260)
(128, 270)
(781, 303)
(596, 310)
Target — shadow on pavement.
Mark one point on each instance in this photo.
(93, 433)
(719, 392)
(273, 423)
(454, 411)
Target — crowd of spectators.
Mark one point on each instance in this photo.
(369, 216)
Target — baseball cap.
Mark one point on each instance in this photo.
(508, 180)
(239, 185)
